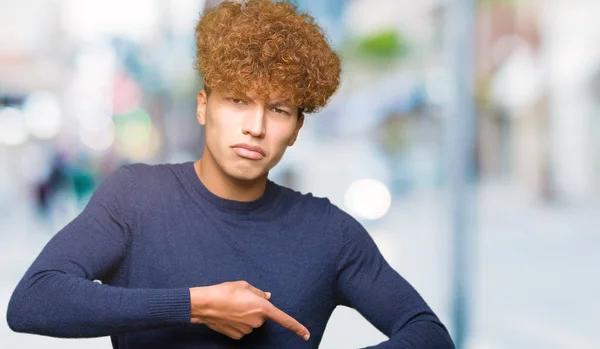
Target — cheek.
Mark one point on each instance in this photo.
(282, 138)
(220, 129)
(212, 134)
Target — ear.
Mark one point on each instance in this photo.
(202, 100)
(295, 134)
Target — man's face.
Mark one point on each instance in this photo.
(244, 135)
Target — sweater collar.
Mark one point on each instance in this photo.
(192, 176)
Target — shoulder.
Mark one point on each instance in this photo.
(139, 182)
(316, 208)
(159, 181)
(146, 177)
(145, 172)
(125, 178)
(347, 227)
(347, 237)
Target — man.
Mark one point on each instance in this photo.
(212, 254)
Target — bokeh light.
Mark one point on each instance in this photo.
(368, 198)
(13, 130)
(137, 139)
(95, 120)
(43, 115)
(98, 139)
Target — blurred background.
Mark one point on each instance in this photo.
(465, 137)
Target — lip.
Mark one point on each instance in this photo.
(249, 151)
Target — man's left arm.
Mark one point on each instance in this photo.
(367, 283)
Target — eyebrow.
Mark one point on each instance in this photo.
(275, 104)
(280, 104)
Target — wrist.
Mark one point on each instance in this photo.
(199, 303)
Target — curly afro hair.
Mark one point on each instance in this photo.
(267, 46)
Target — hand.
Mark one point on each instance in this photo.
(236, 308)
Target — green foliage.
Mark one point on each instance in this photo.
(387, 44)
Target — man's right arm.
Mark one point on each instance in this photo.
(57, 296)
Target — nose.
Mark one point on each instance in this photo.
(255, 123)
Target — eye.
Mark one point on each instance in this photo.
(237, 101)
(280, 111)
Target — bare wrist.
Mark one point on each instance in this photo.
(199, 303)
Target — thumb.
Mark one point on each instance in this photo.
(265, 295)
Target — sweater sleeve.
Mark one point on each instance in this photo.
(367, 283)
(57, 296)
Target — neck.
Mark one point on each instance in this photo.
(225, 186)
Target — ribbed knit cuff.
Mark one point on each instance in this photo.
(169, 305)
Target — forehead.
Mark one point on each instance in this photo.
(266, 95)
(271, 97)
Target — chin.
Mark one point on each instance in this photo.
(246, 175)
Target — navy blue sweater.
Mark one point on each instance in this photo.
(149, 233)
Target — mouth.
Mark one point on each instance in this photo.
(249, 151)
